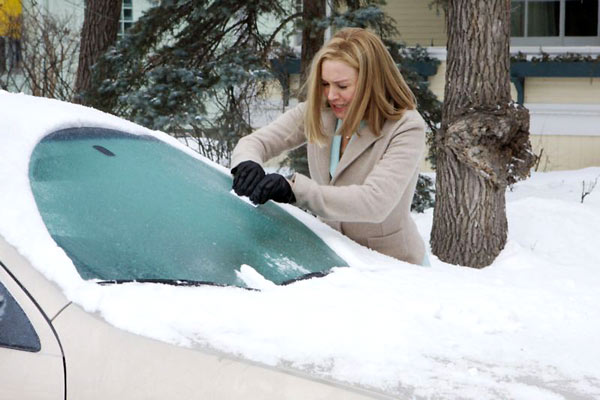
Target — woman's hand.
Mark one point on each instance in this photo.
(273, 187)
(246, 175)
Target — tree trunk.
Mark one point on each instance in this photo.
(2, 55)
(99, 32)
(313, 36)
(483, 144)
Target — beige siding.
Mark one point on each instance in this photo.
(417, 22)
(562, 90)
(436, 83)
(425, 165)
(566, 152)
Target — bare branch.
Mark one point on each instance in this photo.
(48, 50)
(588, 188)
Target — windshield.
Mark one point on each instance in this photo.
(127, 207)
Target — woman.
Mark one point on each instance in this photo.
(365, 142)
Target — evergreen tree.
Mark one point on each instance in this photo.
(190, 67)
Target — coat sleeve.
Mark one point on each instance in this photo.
(374, 199)
(284, 133)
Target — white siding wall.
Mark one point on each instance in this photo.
(418, 22)
(75, 8)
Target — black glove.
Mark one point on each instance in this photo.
(273, 187)
(246, 176)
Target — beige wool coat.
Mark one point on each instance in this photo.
(369, 197)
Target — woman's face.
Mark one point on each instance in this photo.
(339, 84)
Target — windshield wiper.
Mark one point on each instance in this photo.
(173, 282)
(310, 275)
(188, 282)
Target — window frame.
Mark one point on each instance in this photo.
(561, 39)
(125, 6)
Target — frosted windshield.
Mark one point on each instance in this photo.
(127, 207)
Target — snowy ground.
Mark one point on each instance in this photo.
(527, 327)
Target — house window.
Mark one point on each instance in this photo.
(581, 18)
(555, 22)
(126, 20)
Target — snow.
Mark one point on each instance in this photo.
(526, 327)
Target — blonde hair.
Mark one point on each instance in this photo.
(381, 92)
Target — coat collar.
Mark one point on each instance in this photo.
(358, 145)
(354, 149)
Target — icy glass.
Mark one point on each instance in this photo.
(543, 18)
(132, 207)
(581, 18)
(517, 17)
(16, 331)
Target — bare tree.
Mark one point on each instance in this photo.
(2, 55)
(588, 188)
(99, 32)
(43, 61)
(484, 142)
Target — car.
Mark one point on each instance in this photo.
(92, 201)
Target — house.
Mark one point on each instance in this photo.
(561, 90)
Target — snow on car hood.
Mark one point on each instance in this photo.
(525, 327)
